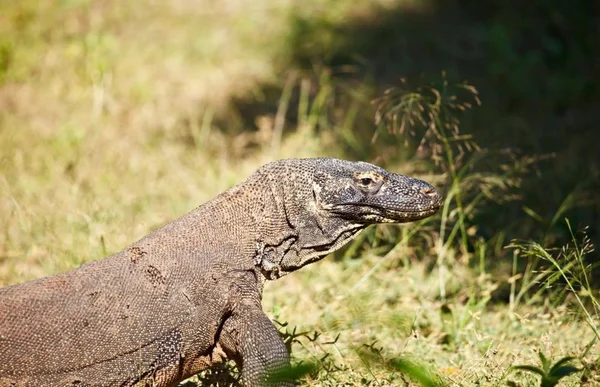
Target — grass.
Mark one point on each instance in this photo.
(550, 373)
(466, 342)
(117, 118)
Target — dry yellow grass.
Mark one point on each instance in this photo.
(98, 102)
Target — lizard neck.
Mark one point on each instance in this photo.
(292, 230)
(261, 225)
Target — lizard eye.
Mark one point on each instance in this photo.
(366, 181)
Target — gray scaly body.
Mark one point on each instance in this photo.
(188, 295)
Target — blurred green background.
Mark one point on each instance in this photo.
(116, 117)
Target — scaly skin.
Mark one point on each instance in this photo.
(188, 295)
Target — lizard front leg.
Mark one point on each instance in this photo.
(256, 346)
(249, 337)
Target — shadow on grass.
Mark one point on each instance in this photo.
(532, 63)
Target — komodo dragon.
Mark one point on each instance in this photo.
(188, 295)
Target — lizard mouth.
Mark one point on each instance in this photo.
(373, 214)
(393, 216)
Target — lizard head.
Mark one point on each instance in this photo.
(367, 194)
(324, 203)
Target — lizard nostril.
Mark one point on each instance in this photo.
(429, 192)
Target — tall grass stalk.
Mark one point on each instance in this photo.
(569, 265)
